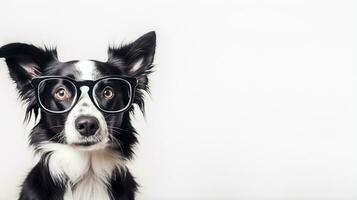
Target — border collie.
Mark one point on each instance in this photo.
(83, 133)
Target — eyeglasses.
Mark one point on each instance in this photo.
(58, 94)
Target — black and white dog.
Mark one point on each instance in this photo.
(84, 134)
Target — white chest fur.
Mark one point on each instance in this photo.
(89, 172)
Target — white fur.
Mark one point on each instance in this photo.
(85, 106)
(86, 69)
(89, 171)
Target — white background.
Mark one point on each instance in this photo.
(251, 100)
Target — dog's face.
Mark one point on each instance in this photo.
(84, 126)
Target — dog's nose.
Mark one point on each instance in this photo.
(86, 125)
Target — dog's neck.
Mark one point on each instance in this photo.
(85, 173)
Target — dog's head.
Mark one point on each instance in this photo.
(85, 104)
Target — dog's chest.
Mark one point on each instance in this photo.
(86, 174)
(90, 187)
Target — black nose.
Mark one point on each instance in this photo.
(86, 125)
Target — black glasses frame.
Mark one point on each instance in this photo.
(89, 83)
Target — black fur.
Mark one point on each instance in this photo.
(27, 61)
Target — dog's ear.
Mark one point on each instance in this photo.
(135, 59)
(26, 62)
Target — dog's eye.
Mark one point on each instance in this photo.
(108, 93)
(62, 94)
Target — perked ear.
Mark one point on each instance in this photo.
(135, 59)
(26, 62)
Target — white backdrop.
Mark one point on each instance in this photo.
(251, 100)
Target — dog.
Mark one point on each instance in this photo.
(82, 108)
